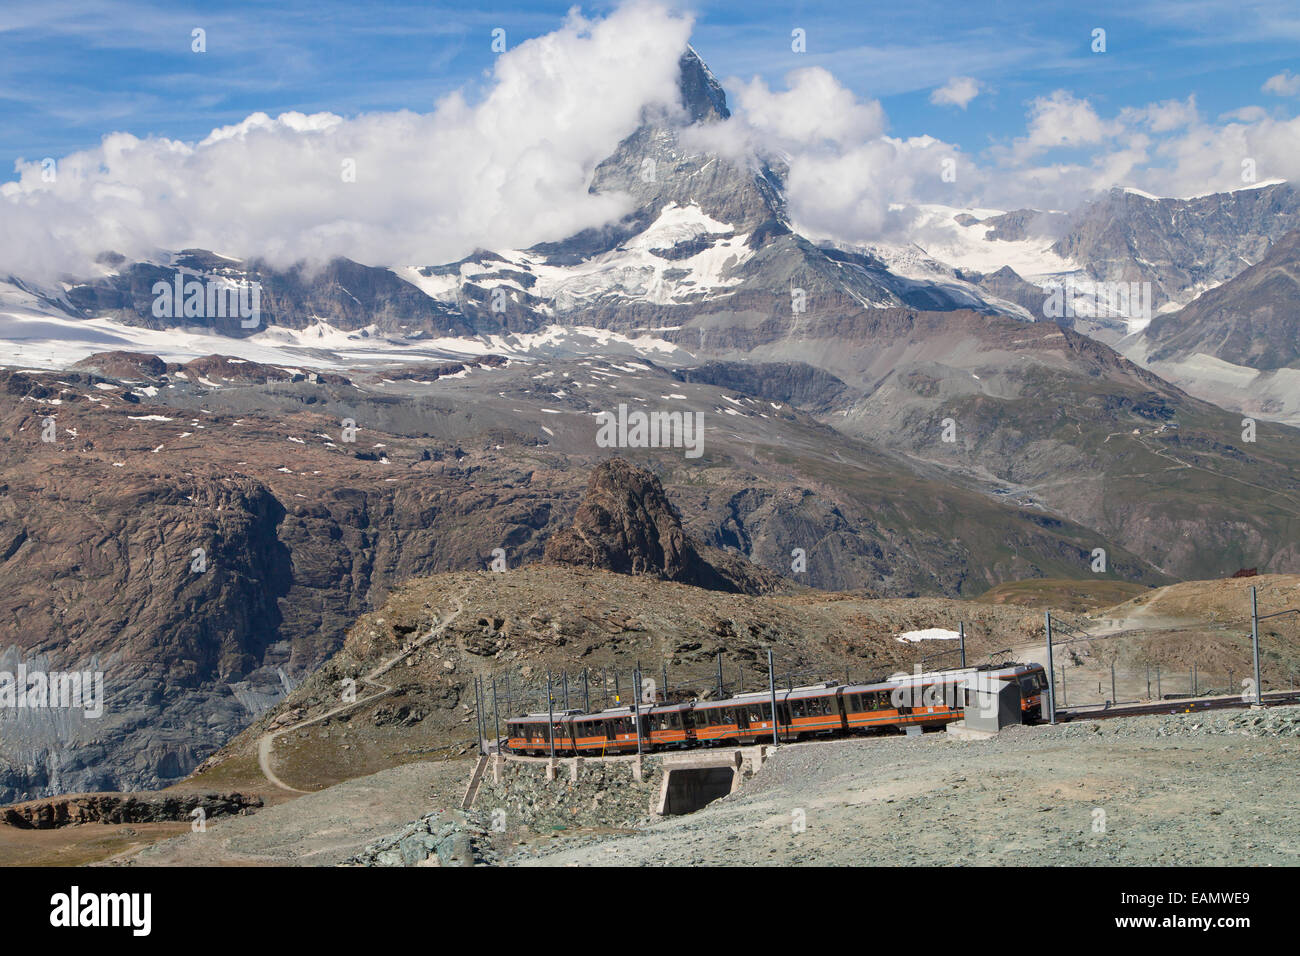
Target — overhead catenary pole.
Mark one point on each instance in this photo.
(550, 715)
(1113, 698)
(961, 631)
(496, 719)
(771, 688)
(719, 675)
(1254, 642)
(478, 715)
(636, 707)
(586, 691)
(566, 689)
(1051, 674)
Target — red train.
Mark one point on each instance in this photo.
(827, 709)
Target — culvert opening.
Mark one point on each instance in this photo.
(690, 789)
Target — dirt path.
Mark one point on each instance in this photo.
(267, 740)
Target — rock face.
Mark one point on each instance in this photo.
(1181, 246)
(626, 524)
(1252, 320)
(123, 808)
(345, 293)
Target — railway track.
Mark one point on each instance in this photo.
(1186, 705)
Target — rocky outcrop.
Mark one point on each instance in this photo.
(81, 808)
(127, 365)
(626, 524)
(802, 385)
(452, 838)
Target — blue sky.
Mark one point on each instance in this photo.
(73, 70)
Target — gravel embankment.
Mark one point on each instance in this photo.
(1169, 790)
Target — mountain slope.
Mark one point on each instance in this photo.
(1251, 320)
(1181, 246)
(1237, 344)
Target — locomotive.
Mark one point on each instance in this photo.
(817, 710)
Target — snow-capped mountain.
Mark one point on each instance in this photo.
(706, 249)
(706, 234)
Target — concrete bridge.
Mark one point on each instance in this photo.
(686, 781)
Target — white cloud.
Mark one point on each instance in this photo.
(958, 91)
(1285, 83)
(814, 109)
(844, 172)
(510, 170)
(513, 168)
(1163, 117)
(1062, 121)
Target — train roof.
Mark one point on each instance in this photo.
(956, 675)
(543, 715)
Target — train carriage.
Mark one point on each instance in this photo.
(533, 733)
(670, 725)
(611, 731)
(813, 711)
(528, 734)
(745, 718)
(715, 722)
(905, 700)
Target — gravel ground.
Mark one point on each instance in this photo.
(318, 829)
(1190, 790)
